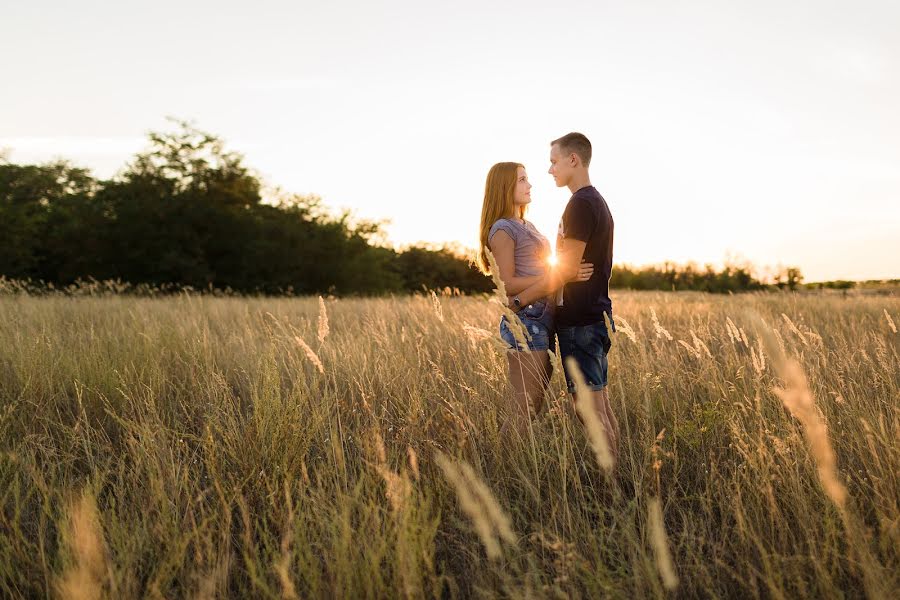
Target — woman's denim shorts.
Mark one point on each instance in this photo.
(537, 318)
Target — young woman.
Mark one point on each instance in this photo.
(522, 254)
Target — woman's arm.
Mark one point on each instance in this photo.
(504, 248)
(567, 269)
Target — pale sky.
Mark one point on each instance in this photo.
(764, 130)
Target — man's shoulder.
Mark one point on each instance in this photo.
(587, 191)
(591, 197)
(587, 198)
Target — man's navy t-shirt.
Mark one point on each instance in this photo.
(587, 218)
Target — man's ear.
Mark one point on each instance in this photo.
(574, 158)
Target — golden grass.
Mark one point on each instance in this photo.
(84, 578)
(213, 452)
(661, 546)
(323, 321)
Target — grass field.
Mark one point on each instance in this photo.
(207, 447)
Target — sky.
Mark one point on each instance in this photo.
(753, 131)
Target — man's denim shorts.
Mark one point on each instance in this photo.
(537, 318)
(588, 345)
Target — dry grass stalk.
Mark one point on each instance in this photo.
(380, 453)
(798, 399)
(436, 304)
(282, 567)
(585, 406)
(413, 462)
(694, 352)
(623, 326)
(518, 330)
(565, 554)
(397, 488)
(890, 321)
(501, 521)
(758, 357)
(498, 344)
(728, 329)
(323, 321)
(660, 330)
(761, 355)
(500, 288)
(795, 329)
(476, 334)
(734, 334)
(661, 546)
(657, 452)
(479, 504)
(310, 354)
(699, 345)
(84, 580)
(555, 364)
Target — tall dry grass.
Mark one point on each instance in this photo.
(228, 447)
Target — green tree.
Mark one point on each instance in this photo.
(182, 212)
(436, 268)
(44, 210)
(794, 278)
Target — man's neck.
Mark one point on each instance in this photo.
(579, 181)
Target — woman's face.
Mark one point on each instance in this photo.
(522, 194)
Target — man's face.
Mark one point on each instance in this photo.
(561, 166)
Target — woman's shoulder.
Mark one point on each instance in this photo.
(507, 225)
(504, 221)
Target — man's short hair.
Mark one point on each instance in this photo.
(577, 143)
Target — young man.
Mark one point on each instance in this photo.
(585, 233)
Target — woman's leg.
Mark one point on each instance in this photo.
(529, 374)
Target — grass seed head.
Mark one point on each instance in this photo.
(660, 330)
(310, 354)
(323, 321)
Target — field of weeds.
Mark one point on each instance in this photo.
(193, 446)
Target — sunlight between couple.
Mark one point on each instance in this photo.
(566, 300)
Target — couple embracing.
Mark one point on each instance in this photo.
(566, 300)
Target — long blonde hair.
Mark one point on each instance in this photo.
(499, 203)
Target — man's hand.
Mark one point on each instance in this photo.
(585, 271)
(571, 255)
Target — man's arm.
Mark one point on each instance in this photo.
(565, 270)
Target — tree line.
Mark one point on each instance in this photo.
(188, 212)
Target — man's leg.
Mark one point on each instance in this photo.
(588, 346)
(604, 410)
(599, 402)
